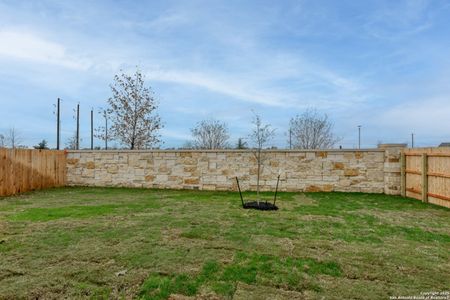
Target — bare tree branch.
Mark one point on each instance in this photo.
(101, 132)
(260, 136)
(210, 134)
(312, 130)
(71, 143)
(14, 138)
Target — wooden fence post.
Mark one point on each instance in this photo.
(403, 174)
(424, 177)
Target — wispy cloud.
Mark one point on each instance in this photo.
(26, 46)
(404, 117)
(400, 19)
(163, 23)
(223, 86)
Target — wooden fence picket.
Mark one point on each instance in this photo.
(427, 175)
(23, 170)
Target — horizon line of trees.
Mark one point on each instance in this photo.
(309, 130)
(134, 123)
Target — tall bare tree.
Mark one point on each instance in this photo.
(14, 138)
(132, 110)
(260, 136)
(210, 134)
(312, 130)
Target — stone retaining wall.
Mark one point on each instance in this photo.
(370, 170)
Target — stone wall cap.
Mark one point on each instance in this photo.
(392, 145)
(226, 151)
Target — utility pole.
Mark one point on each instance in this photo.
(78, 127)
(92, 129)
(359, 136)
(58, 123)
(412, 140)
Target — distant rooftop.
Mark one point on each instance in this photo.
(445, 144)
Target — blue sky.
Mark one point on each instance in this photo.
(384, 65)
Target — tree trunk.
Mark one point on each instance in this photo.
(257, 176)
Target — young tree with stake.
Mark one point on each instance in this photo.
(260, 136)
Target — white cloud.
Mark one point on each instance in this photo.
(212, 83)
(162, 23)
(400, 19)
(29, 47)
(174, 134)
(256, 86)
(429, 117)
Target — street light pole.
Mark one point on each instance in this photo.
(78, 127)
(359, 136)
(58, 123)
(92, 129)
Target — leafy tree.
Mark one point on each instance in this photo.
(260, 136)
(132, 111)
(210, 134)
(312, 130)
(41, 145)
(241, 144)
(2, 141)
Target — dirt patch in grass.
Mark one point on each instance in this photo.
(302, 199)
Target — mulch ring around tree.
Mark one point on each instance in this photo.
(260, 205)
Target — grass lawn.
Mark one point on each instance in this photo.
(151, 244)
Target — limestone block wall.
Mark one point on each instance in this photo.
(373, 170)
(392, 167)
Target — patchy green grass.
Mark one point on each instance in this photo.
(106, 243)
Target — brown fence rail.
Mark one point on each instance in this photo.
(24, 170)
(426, 175)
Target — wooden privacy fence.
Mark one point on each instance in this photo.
(24, 170)
(425, 175)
